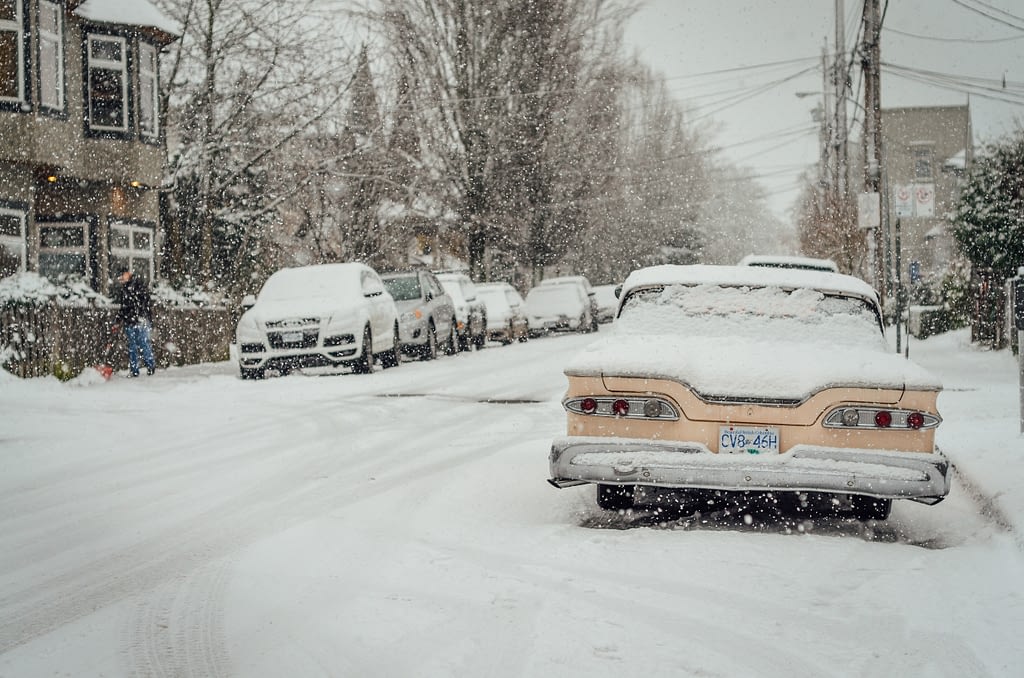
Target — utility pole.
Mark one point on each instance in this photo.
(872, 137)
(839, 83)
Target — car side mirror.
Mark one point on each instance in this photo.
(428, 295)
(248, 301)
(618, 291)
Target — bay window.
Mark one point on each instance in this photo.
(12, 52)
(107, 83)
(51, 55)
(149, 94)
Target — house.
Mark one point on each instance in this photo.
(927, 152)
(81, 137)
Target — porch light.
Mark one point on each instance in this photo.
(52, 178)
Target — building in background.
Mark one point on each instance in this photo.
(81, 140)
(927, 151)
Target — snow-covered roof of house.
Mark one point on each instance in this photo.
(748, 276)
(135, 13)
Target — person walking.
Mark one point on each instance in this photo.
(135, 316)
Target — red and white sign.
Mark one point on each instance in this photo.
(924, 200)
(903, 200)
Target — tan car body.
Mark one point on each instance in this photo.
(678, 444)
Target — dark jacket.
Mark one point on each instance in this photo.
(135, 303)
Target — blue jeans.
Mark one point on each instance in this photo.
(138, 340)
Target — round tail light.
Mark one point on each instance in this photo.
(588, 405)
(915, 420)
(620, 407)
(883, 419)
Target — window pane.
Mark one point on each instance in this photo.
(50, 87)
(10, 225)
(147, 104)
(61, 237)
(7, 10)
(107, 50)
(9, 62)
(117, 263)
(140, 267)
(119, 238)
(142, 240)
(105, 97)
(11, 257)
(54, 265)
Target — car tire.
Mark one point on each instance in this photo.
(480, 340)
(464, 342)
(509, 336)
(615, 497)
(364, 365)
(451, 345)
(870, 508)
(429, 350)
(392, 358)
(253, 373)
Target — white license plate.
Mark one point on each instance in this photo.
(748, 440)
(291, 337)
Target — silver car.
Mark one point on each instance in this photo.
(470, 311)
(426, 314)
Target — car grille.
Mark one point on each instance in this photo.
(293, 322)
(306, 339)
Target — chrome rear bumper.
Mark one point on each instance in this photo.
(627, 461)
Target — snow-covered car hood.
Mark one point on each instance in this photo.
(313, 307)
(740, 367)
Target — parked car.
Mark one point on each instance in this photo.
(724, 381)
(557, 308)
(582, 283)
(607, 302)
(470, 311)
(783, 261)
(314, 316)
(426, 314)
(506, 313)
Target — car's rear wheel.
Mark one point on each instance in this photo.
(429, 350)
(615, 497)
(365, 363)
(481, 339)
(392, 358)
(870, 508)
(451, 345)
(253, 373)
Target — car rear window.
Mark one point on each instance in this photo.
(797, 315)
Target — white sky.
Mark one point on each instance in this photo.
(685, 38)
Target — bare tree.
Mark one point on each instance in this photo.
(245, 87)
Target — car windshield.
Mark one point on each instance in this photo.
(762, 313)
(303, 283)
(403, 287)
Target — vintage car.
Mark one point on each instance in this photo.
(744, 380)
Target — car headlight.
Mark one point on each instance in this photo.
(247, 326)
(412, 316)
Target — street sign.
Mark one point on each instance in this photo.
(903, 200)
(869, 211)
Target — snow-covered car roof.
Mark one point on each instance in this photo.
(788, 261)
(749, 276)
(318, 280)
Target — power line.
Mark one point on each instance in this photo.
(936, 38)
(986, 11)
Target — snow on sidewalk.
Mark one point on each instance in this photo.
(980, 432)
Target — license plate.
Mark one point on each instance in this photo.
(748, 440)
(291, 337)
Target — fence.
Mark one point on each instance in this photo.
(54, 339)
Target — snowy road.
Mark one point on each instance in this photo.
(398, 524)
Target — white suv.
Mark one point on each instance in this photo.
(315, 316)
